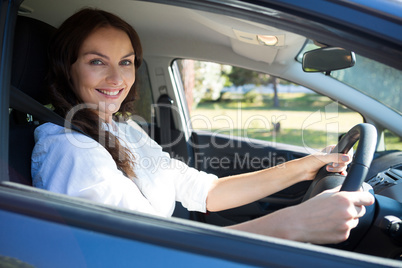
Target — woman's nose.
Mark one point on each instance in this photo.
(114, 76)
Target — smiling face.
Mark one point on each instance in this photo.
(104, 71)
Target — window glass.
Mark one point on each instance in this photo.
(229, 100)
(381, 82)
(392, 141)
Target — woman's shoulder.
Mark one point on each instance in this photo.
(51, 133)
(48, 128)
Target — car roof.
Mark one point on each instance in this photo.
(343, 23)
(387, 8)
(367, 16)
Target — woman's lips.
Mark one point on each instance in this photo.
(111, 93)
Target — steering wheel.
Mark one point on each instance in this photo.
(358, 169)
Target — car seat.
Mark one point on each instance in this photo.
(29, 69)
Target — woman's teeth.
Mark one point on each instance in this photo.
(110, 93)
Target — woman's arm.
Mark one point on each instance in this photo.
(238, 190)
(324, 219)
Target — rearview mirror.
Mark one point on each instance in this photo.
(328, 59)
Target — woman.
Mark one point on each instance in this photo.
(94, 57)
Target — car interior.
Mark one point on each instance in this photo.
(167, 121)
(28, 97)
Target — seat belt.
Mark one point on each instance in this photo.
(26, 104)
(164, 106)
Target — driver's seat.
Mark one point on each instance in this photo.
(29, 69)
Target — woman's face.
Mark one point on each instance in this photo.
(104, 71)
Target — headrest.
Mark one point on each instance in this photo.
(30, 64)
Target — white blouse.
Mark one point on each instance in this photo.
(71, 163)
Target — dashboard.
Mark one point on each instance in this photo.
(385, 175)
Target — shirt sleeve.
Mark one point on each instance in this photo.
(90, 173)
(190, 185)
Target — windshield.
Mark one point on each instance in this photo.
(374, 79)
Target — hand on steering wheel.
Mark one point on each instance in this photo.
(367, 136)
(358, 169)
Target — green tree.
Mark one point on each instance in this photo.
(203, 81)
(240, 76)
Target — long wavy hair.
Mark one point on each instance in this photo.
(63, 52)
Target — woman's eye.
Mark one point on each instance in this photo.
(126, 62)
(96, 62)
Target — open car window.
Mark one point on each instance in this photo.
(230, 113)
(224, 99)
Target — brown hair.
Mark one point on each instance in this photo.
(63, 52)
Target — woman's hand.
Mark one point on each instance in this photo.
(335, 162)
(328, 217)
